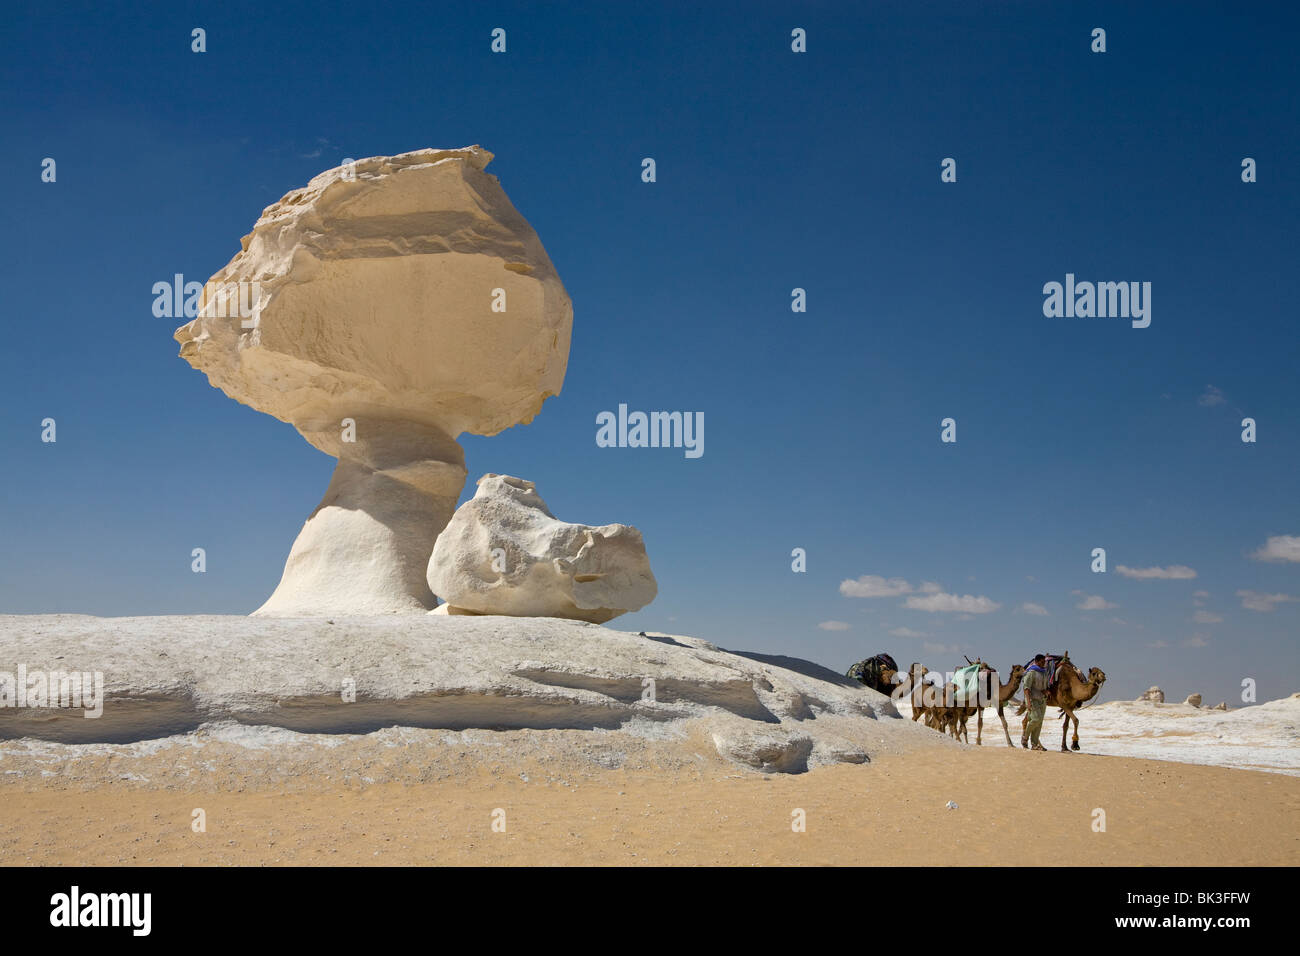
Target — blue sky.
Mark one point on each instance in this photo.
(776, 170)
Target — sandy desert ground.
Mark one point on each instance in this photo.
(313, 805)
(542, 725)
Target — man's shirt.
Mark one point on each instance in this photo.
(1035, 683)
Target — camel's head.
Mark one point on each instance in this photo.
(1096, 676)
(1017, 671)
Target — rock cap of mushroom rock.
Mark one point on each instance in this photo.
(375, 292)
(503, 552)
(382, 310)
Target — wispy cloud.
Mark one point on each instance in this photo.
(1206, 617)
(1211, 396)
(1095, 602)
(951, 603)
(322, 144)
(941, 648)
(1197, 640)
(1030, 608)
(1256, 601)
(834, 625)
(907, 632)
(1175, 572)
(875, 586)
(1280, 547)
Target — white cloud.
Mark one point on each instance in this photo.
(1206, 617)
(1030, 608)
(948, 603)
(1175, 572)
(1095, 602)
(1197, 640)
(1279, 547)
(1201, 594)
(833, 626)
(874, 586)
(1211, 396)
(1255, 601)
(907, 632)
(1158, 644)
(940, 648)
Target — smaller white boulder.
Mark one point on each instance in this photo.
(1193, 699)
(503, 552)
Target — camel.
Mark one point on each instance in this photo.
(1005, 693)
(914, 686)
(884, 682)
(955, 715)
(944, 715)
(1070, 691)
(930, 701)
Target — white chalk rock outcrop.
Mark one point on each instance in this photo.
(546, 691)
(1154, 695)
(503, 552)
(397, 302)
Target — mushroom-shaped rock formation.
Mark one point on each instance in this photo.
(503, 552)
(396, 302)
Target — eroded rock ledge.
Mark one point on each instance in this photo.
(170, 675)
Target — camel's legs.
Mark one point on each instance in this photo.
(979, 728)
(1003, 717)
(1075, 742)
(1065, 728)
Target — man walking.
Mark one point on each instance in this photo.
(1035, 688)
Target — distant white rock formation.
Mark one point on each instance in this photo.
(503, 552)
(400, 302)
(1154, 695)
(1193, 699)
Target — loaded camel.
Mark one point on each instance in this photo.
(1069, 692)
(1004, 693)
(875, 672)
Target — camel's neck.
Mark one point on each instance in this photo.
(1008, 689)
(1081, 691)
